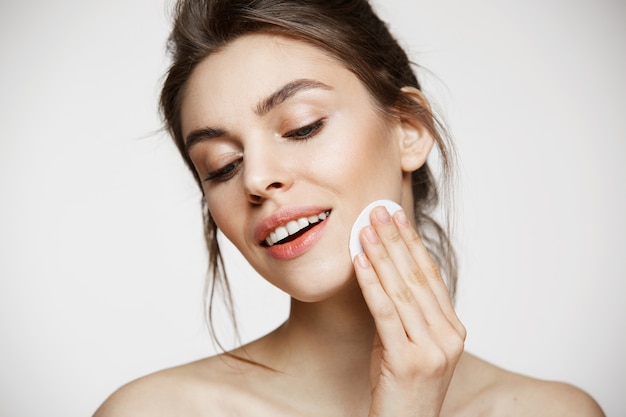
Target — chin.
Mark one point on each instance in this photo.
(326, 284)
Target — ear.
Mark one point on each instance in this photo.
(415, 139)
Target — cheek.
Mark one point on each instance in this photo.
(222, 212)
(332, 161)
(361, 157)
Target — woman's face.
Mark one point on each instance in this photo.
(284, 138)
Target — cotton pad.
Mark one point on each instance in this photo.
(364, 220)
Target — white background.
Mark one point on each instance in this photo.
(101, 254)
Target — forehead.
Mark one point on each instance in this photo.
(249, 68)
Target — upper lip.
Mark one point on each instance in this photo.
(282, 217)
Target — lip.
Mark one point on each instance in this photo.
(282, 217)
(297, 246)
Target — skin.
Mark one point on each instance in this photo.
(377, 337)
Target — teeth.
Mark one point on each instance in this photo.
(293, 227)
(281, 233)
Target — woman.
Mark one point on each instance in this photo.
(293, 116)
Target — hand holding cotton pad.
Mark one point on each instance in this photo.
(364, 220)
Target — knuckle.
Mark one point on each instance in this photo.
(431, 363)
(432, 266)
(457, 331)
(393, 236)
(382, 255)
(412, 238)
(462, 332)
(405, 295)
(435, 362)
(370, 280)
(436, 270)
(416, 276)
(455, 344)
(386, 311)
(456, 349)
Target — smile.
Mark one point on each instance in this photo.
(293, 229)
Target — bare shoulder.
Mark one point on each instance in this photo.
(150, 395)
(550, 398)
(186, 390)
(498, 392)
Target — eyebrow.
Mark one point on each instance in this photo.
(262, 108)
(201, 135)
(287, 91)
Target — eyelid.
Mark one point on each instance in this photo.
(225, 172)
(315, 128)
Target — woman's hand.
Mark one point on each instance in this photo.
(419, 338)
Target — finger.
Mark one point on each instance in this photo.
(400, 295)
(402, 277)
(431, 271)
(383, 310)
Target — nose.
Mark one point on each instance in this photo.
(265, 174)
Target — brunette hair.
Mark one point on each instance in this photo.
(349, 31)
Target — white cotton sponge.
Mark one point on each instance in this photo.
(364, 220)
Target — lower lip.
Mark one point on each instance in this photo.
(300, 245)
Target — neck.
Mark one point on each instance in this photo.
(323, 350)
(341, 320)
(332, 338)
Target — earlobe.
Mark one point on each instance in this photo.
(416, 140)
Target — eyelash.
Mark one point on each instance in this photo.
(309, 131)
(229, 170)
(225, 173)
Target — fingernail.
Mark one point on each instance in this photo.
(362, 261)
(401, 218)
(382, 215)
(370, 235)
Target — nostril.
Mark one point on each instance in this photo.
(274, 185)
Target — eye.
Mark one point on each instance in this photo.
(305, 132)
(225, 173)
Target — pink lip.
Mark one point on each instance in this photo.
(300, 245)
(280, 218)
